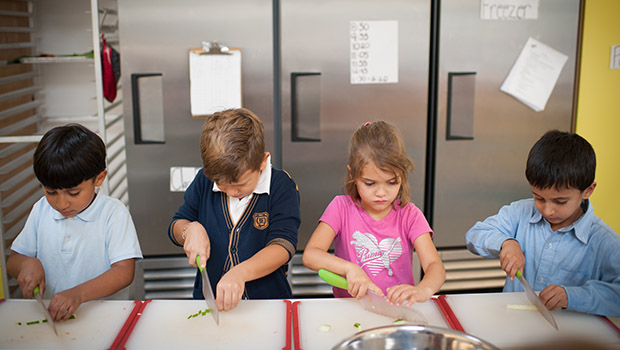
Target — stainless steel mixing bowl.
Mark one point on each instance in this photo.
(414, 338)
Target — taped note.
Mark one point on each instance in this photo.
(534, 75)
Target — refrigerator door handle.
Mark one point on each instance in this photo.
(305, 107)
(460, 111)
(148, 114)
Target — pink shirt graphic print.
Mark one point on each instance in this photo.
(384, 248)
(374, 255)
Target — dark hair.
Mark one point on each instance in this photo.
(68, 155)
(379, 143)
(561, 160)
(233, 142)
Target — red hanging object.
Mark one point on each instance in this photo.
(109, 79)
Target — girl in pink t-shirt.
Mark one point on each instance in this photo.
(375, 228)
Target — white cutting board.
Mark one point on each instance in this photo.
(487, 317)
(341, 314)
(253, 324)
(95, 327)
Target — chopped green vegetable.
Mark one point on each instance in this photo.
(325, 328)
(399, 321)
(72, 317)
(199, 313)
(357, 325)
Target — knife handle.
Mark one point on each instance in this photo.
(519, 274)
(333, 279)
(36, 290)
(198, 263)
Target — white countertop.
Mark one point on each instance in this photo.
(261, 324)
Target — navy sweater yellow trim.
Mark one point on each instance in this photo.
(268, 219)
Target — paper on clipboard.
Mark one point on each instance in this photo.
(215, 82)
(534, 75)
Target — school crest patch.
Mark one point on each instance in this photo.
(261, 220)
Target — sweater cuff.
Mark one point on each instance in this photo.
(284, 244)
(171, 234)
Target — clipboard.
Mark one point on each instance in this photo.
(215, 79)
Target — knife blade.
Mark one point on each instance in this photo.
(207, 292)
(48, 317)
(375, 303)
(533, 298)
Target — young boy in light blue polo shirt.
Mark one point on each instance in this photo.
(77, 244)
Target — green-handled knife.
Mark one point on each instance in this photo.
(374, 303)
(48, 317)
(207, 292)
(533, 298)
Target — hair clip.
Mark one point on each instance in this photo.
(367, 123)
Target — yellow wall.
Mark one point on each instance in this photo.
(598, 104)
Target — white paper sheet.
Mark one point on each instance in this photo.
(374, 52)
(534, 75)
(215, 82)
(181, 177)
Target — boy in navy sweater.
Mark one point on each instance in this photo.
(239, 215)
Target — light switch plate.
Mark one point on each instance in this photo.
(614, 61)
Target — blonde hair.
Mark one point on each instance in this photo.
(379, 143)
(232, 142)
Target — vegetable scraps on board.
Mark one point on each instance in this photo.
(199, 313)
(30, 323)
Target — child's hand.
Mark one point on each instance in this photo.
(511, 257)
(406, 293)
(30, 276)
(230, 290)
(359, 282)
(196, 243)
(64, 304)
(554, 297)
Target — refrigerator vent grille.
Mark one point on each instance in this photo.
(164, 278)
(305, 282)
(466, 271)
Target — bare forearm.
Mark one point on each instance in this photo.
(316, 258)
(434, 277)
(177, 230)
(119, 276)
(14, 263)
(264, 262)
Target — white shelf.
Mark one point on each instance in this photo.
(58, 59)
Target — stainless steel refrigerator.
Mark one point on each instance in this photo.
(297, 66)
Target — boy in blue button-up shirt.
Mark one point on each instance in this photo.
(564, 251)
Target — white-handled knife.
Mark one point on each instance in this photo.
(533, 298)
(48, 317)
(207, 292)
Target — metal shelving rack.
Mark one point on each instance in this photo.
(22, 123)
